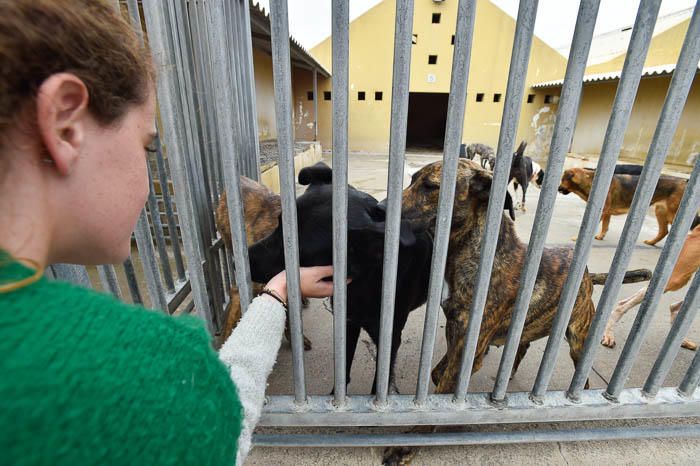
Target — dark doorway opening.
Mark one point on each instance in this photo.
(427, 119)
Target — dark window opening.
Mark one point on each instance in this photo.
(480, 97)
(548, 99)
(326, 95)
(497, 97)
(378, 95)
(361, 95)
(414, 40)
(310, 95)
(453, 39)
(436, 18)
(432, 59)
(530, 98)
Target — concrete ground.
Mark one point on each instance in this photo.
(369, 173)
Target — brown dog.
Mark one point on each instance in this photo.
(262, 209)
(686, 266)
(420, 201)
(667, 197)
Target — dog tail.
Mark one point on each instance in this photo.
(631, 276)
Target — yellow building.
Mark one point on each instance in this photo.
(600, 84)
(370, 78)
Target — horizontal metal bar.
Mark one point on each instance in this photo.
(672, 344)
(477, 438)
(563, 130)
(614, 134)
(397, 148)
(464, 31)
(281, 411)
(176, 298)
(522, 42)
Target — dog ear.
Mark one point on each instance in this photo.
(480, 188)
(319, 173)
(521, 148)
(374, 222)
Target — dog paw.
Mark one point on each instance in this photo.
(574, 238)
(650, 242)
(599, 237)
(398, 456)
(608, 340)
(307, 344)
(687, 344)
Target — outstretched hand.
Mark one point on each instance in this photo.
(311, 279)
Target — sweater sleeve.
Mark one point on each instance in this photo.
(249, 354)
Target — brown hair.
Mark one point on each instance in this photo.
(88, 38)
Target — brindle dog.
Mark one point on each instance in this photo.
(420, 201)
(666, 199)
(262, 209)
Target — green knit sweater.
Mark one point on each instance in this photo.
(86, 379)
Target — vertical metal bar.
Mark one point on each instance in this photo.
(340, 47)
(160, 239)
(144, 241)
(563, 129)
(169, 214)
(135, 18)
(132, 282)
(162, 49)
(249, 78)
(692, 377)
(668, 121)
(315, 91)
(227, 124)
(622, 107)
(464, 31)
(281, 69)
(674, 242)
(397, 148)
(527, 11)
(108, 278)
(76, 274)
(672, 344)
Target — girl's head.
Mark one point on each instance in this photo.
(76, 114)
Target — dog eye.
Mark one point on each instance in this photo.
(430, 184)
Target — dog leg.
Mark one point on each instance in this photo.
(604, 227)
(522, 349)
(620, 310)
(687, 344)
(576, 333)
(660, 212)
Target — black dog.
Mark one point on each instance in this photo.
(365, 258)
(521, 170)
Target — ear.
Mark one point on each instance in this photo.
(62, 116)
(480, 188)
(521, 148)
(319, 173)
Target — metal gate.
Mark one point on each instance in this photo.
(207, 123)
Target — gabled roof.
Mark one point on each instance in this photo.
(261, 35)
(650, 71)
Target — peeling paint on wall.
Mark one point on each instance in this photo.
(542, 124)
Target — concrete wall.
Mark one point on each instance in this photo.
(371, 56)
(594, 115)
(264, 95)
(270, 176)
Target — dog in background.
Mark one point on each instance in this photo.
(486, 153)
(621, 169)
(419, 205)
(262, 209)
(521, 171)
(667, 197)
(686, 266)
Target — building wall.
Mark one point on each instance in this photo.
(371, 61)
(594, 114)
(264, 95)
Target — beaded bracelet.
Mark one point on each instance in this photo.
(275, 295)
